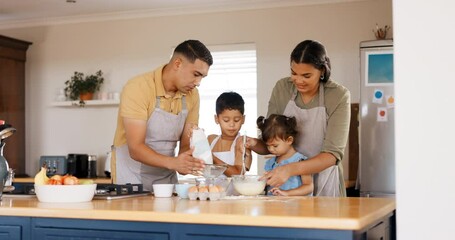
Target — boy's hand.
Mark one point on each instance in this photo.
(239, 146)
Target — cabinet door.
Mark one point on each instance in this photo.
(10, 232)
(56, 228)
(88, 234)
(12, 98)
(14, 228)
(378, 232)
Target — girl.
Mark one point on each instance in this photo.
(279, 134)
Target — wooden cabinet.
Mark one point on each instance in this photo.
(12, 98)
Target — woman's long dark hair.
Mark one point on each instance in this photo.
(313, 52)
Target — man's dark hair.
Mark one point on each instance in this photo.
(230, 101)
(194, 49)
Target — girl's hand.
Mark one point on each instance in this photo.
(278, 192)
(251, 142)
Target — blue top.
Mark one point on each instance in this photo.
(293, 181)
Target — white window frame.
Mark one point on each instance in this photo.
(225, 66)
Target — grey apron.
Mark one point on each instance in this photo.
(312, 125)
(163, 132)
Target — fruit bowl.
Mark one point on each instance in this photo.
(248, 185)
(65, 193)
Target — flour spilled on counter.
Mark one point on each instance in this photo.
(261, 198)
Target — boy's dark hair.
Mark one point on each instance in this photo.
(277, 126)
(194, 49)
(230, 101)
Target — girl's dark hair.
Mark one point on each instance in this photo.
(313, 52)
(277, 126)
(230, 101)
(194, 49)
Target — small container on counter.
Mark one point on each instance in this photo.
(91, 166)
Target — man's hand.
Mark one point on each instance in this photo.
(185, 163)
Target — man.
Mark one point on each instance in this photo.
(157, 110)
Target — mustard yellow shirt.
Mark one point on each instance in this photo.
(138, 100)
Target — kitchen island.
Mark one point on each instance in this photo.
(239, 217)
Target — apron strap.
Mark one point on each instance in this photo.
(321, 95)
(157, 104)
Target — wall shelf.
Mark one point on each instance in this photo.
(88, 103)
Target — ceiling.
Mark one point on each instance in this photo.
(25, 13)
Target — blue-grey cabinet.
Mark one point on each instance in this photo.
(14, 228)
(27, 228)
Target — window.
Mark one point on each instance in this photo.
(233, 69)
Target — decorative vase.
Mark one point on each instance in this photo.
(86, 96)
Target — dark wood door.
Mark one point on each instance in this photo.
(12, 98)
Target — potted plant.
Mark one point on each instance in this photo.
(83, 87)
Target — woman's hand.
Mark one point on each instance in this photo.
(277, 176)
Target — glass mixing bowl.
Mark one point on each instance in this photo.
(249, 185)
(214, 170)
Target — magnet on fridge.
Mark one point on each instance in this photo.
(378, 95)
(390, 100)
(382, 114)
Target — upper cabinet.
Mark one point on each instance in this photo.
(12, 98)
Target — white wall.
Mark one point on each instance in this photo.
(125, 48)
(425, 117)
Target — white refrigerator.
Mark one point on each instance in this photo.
(376, 176)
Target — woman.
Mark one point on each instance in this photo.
(322, 109)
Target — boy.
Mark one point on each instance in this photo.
(227, 148)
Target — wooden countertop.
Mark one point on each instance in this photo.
(293, 212)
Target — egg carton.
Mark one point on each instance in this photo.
(204, 196)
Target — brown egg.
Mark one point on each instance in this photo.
(193, 189)
(220, 188)
(203, 189)
(213, 188)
